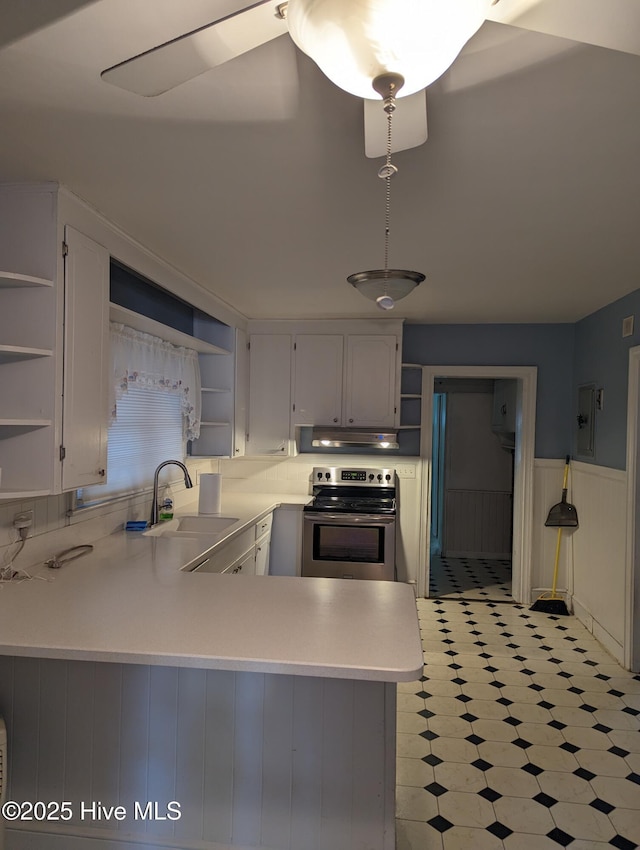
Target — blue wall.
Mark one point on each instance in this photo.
(602, 358)
(549, 347)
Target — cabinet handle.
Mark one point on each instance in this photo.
(351, 420)
(101, 472)
(335, 418)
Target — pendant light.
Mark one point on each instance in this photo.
(386, 286)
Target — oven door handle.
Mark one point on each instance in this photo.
(350, 519)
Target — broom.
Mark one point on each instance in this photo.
(561, 515)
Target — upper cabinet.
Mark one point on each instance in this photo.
(370, 381)
(317, 379)
(348, 379)
(85, 416)
(269, 394)
(53, 331)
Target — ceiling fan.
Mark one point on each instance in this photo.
(334, 37)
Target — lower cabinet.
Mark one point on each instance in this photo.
(245, 565)
(246, 554)
(263, 548)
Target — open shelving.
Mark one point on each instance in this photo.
(11, 280)
(27, 379)
(150, 326)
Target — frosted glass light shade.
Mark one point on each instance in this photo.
(385, 287)
(354, 41)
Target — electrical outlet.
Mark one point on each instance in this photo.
(23, 519)
(406, 471)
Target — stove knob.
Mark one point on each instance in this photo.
(327, 475)
(371, 476)
(388, 477)
(379, 477)
(320, 476)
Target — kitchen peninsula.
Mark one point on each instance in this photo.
(264, 706)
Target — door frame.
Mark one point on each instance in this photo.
(632, 565)
(523, 468)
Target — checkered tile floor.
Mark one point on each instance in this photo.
(523, 734)
(470, 578)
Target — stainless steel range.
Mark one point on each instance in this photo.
(349, 529)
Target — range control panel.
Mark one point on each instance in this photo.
(338, 475)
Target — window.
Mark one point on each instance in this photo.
(148, 429)
(155, 409)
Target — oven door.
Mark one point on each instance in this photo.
(357, 546)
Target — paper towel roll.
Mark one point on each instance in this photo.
(210, 493)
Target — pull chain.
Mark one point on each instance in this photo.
(386, 173)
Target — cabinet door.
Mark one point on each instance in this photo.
(86, 344)
(317, 383)
(269, 394)
(371, 381)
(245, 566)
(263, 547)
(241, 380)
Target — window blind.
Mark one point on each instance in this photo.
(148, 430)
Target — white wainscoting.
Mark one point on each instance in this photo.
(599, 552)
(592, 557)
(288, 763)
(477, 523)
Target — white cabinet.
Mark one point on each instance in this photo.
(263, 545)
(86, 353)
(53, 330)
(246, 565)
(318, 378)
(346, 380)
(263, 548)
(269, 394)
(241, 386)
(371, 381)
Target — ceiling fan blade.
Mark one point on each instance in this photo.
(409, 125)
(170, 64)
(606, 23)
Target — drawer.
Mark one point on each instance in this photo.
(264, 526)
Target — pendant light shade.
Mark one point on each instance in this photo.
(355, 41)
(385, 287)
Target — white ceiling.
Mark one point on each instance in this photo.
(523, 205)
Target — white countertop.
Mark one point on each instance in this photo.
(129, 602)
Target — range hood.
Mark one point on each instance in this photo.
(336, 438)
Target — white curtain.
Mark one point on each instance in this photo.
(142, 360)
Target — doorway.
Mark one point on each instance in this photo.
(473, 446)
(525, 378)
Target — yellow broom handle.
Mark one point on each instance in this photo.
(555, 568)
(566, 476)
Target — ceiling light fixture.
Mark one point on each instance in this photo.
(386, 286)
(354, 42)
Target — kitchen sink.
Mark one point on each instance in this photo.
(206, 524)
(192, 526)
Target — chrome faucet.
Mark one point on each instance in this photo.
(154, 503)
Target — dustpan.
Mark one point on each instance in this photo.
(563, 514)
